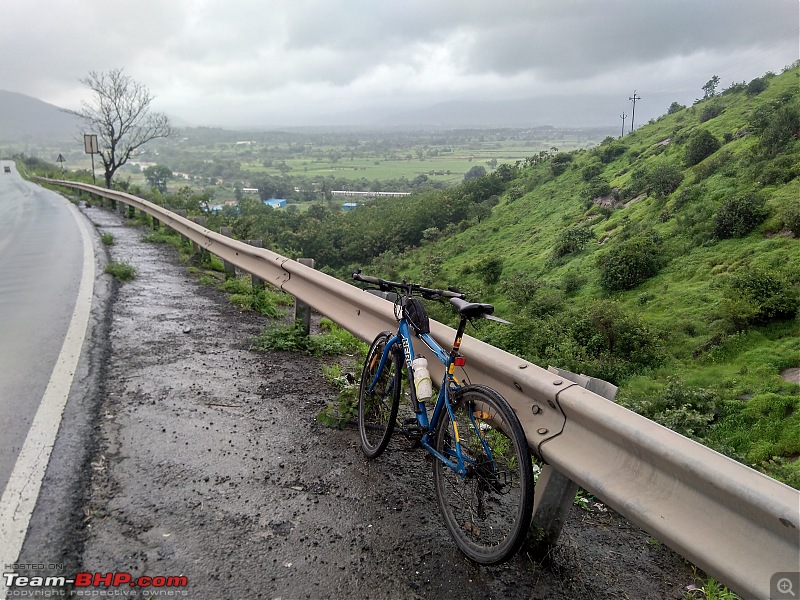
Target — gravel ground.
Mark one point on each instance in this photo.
(209, 463)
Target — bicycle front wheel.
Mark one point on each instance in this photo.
(487, 510)
(377, 411)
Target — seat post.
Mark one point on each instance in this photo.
(462, 324)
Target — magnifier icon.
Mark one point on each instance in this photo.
(784, 586)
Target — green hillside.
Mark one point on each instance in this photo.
(667, 261)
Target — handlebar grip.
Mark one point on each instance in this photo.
(365, 278)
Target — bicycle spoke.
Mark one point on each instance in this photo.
(488, 510)
(377, 410)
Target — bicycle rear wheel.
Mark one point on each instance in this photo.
(488, 511)
(377, 411)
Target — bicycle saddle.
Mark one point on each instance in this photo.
(472, 310)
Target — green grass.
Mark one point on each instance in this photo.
(290, 338)
(164, 236)
(717, 373)
(264, 300)
(121, 271)
(708, 588)
(108, 239)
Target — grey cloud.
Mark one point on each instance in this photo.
(288, 56)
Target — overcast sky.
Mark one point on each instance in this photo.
(286, 62)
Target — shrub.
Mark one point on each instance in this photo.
(607, 152)
(758, 85)
(711, 111)
(701, 145)
(598, 188)
(490, 270)
(739, 215)
(613, 343)
(628, 264)
(782, 127)
(560, 162)
(754, 296)
(474, 173)
(663, 178)
(571, 240)
(790, 217)
(675, 107)
(659, 179)
(515, 192)
(779, 170)
(591, 171)
(689, 411)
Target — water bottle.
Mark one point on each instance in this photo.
(422, 379)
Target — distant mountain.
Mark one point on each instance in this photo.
(27, 119)
(531, 112)
(558, 111)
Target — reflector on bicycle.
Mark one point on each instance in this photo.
(461, 361)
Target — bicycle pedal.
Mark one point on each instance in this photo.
(413, 432)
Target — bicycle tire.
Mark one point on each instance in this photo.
(488, 511)
(377, 412)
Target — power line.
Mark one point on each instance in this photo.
(623, 116)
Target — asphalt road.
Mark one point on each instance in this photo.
(41, 262)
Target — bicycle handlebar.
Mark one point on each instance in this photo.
(386, 285)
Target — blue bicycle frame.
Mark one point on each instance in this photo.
(457, 462)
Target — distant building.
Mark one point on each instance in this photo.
(276, 202)
(249, 190)
(349, 205)
(367, 194)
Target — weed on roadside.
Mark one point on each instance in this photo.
(708, 588)
(121, 271)
(108, 239)
(344, 408)
(290, 338)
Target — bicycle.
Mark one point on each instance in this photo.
(483, 476)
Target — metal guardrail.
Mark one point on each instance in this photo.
(738, 525)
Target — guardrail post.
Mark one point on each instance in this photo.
(181, 212)
(195, 246)
(230, 268)
(257, 282)
(555, 492)
(302, 311)
(131, 211)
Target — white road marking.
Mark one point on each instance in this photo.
(22, 490)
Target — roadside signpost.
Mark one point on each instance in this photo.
(90, 146)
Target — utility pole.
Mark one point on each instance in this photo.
(633, 114)
(623, 116)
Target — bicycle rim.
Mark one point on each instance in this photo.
(377, 411)
(488, 511)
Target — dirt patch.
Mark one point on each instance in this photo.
(791, 375)
(211, 465)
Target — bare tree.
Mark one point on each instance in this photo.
(119, 113)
